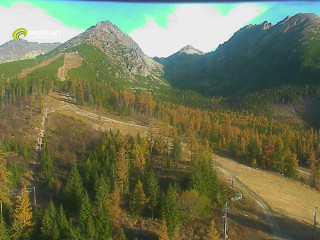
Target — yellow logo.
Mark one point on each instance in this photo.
(19, 33)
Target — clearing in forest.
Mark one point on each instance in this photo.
(61, 103)
(27, 71)
(71, 60)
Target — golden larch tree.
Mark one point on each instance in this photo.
(23, 211)
(212, 233)
(163, 233)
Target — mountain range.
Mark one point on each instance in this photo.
(255, 58)
(21, 49)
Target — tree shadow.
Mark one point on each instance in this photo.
(134, 234)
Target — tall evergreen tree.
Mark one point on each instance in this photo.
(49, 227)
(153, 192)
(170, 210)
(138, 200)
(46, 163)
(204, 179)
(64, 226)
(86, 222)
(74, 190)
(103, 223)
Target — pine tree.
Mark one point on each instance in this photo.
(5, 182)
(86, 223)
(170, 210)
(49, 227)
(153, 192)
(4, 235)
(74, 190)
(163, 231)
(138, 200)
(212, 233)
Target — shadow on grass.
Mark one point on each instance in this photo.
(289, 228)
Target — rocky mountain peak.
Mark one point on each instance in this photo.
(118, 47)
(190, 50)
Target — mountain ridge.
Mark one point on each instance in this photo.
(15, 50)
(256, 57)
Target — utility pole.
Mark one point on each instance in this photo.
(315, 222)
(1, 206)
(34, 196)
(225, 220)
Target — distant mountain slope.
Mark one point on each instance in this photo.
(255, 58)
(120, 52)
(21, 49)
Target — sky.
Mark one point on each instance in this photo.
(159, 29)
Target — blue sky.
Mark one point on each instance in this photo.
(159, 29)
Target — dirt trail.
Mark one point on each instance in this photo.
(260, 202)
(61, 103)
(71, 60)
(278, 196)
(26, 71)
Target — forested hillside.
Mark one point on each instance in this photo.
(66, 177)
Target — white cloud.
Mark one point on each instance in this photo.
(24, 15)
(201, 26)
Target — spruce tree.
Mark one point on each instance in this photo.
(64, 226)
(74, 190)
(49, 227)
(138, 200)
(153, 192)
(86, 222)
(46, 163)
(170, 210)
(103, 222)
